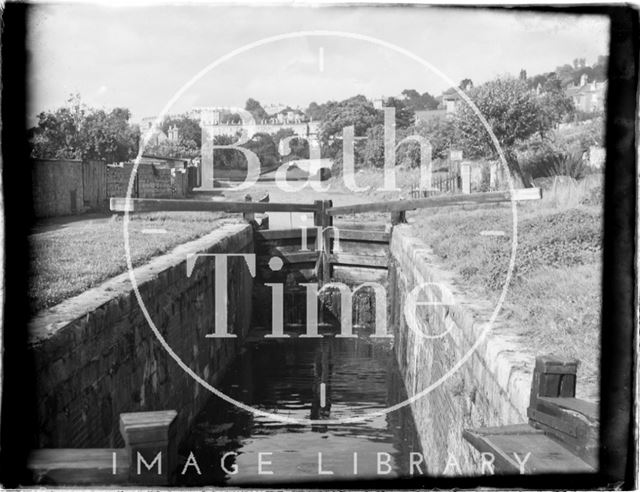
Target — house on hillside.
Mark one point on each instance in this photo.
(272, 109)
(289, 116)
(448, 103)
(588, 96)
(174, 134)
(158, 136)
(177, 163)
(450, 100)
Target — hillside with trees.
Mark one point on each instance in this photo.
(524, 112)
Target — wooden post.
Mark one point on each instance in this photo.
(465, 172)
(553, 377)
(326, 240)
(398, 217)
(264, 221)
(150, 438)
(248, 216)
(323, 220)
(318, 220)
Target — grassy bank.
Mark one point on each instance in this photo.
(67, 261)
(554, 295)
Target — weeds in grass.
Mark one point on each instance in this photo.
(68, 261)
(554, 294)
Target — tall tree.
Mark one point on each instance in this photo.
(356, 111)
(419, 102)
(513, 113)
(78, 132)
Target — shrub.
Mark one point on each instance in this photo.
(549, 163)
(559, 239)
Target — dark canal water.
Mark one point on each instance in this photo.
(285, 377)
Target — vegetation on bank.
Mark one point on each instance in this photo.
(525, 114)
(554, 294)
(67, 261)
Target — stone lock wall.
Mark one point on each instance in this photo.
(490, 388)
(97, 357)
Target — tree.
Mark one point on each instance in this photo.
(466, 84)
(227, 158)
(356, 111)
(417, 102)
(410, 94)
(182, 148)
(404, 115)
(428, 101)
(318, 112)
(189, 140)
(261, 144)
(57, 134)
(107, 136)
(373, 151)
(76, 131)
(188, 128)
(600, 68)
(256, 110)
(265, 148)
(555, 105)
(299, 147)
(513, 114)
(442, 134)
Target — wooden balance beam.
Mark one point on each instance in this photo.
(562, 432)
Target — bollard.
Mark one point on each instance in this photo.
(150, 439)
(399, 217)
(248, 216)
(553, 377)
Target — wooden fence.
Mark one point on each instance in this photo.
(444, 184)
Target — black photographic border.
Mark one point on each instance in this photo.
(618, 432)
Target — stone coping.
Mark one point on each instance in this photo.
(48, 322)
(502, 351)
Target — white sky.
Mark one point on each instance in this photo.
(138, 57)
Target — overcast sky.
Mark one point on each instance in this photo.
(138, 57)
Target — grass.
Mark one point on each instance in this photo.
(68, 261)
(554, 295)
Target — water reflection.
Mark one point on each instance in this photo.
(326, 378)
